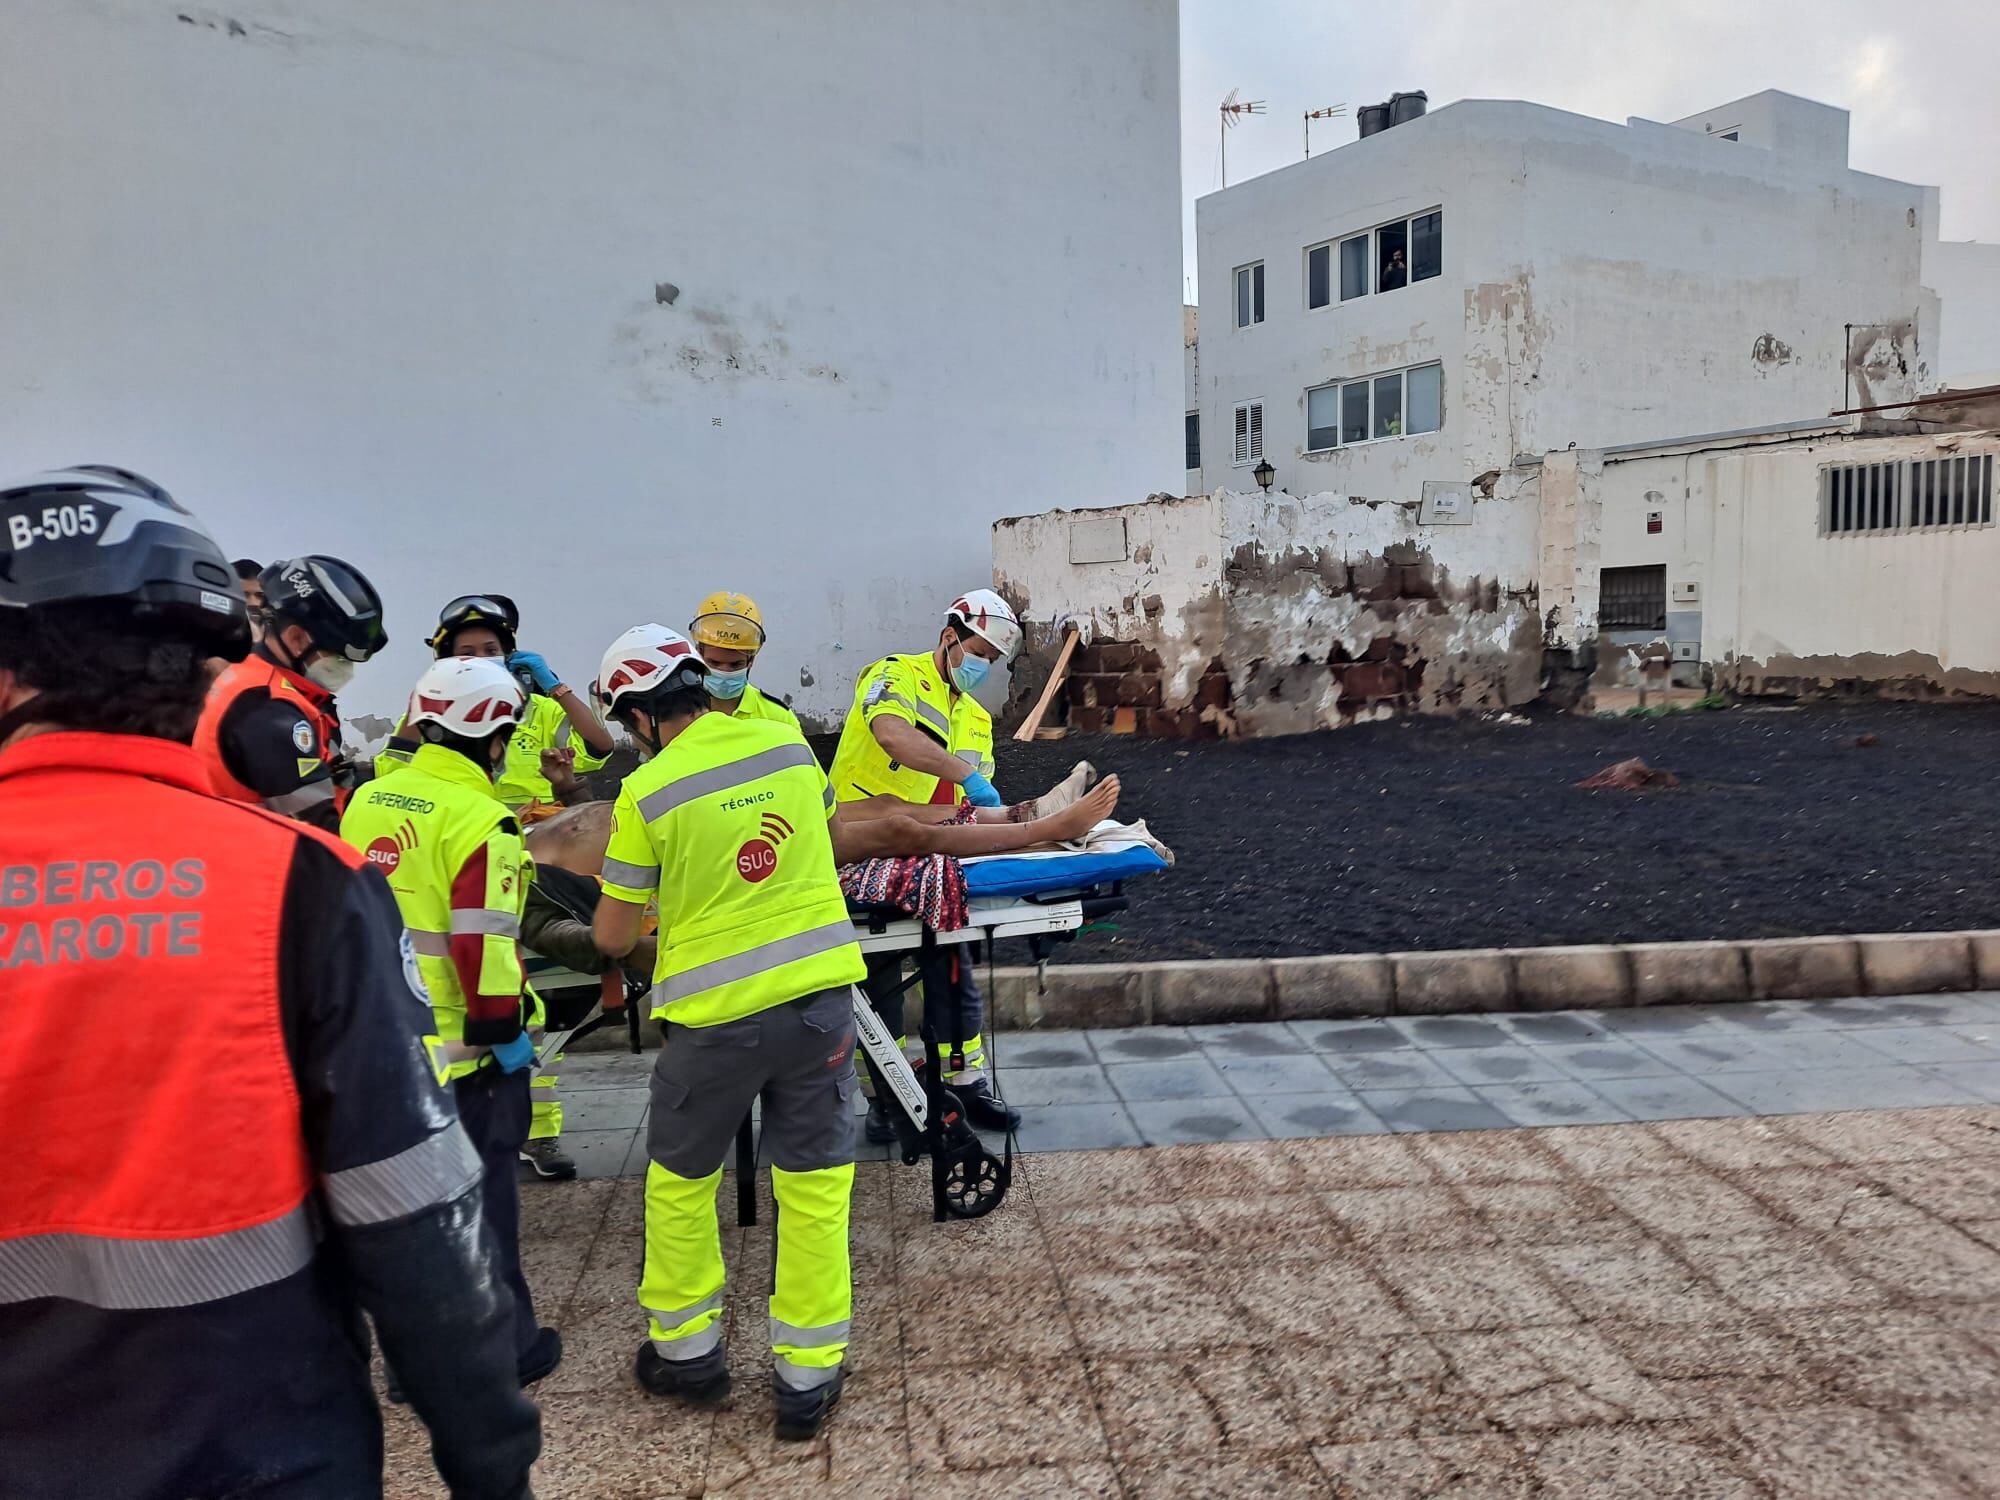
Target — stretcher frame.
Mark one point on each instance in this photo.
(967, 1180)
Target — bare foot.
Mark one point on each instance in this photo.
(1074, 821)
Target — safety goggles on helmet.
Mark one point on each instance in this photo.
(985, 614)
(729, 621)
(331, 600)
(496, 612)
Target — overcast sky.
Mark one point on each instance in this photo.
(1917, 76)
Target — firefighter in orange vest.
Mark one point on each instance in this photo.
(252, 1148)
(270, 731)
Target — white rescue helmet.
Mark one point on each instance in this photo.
(645, 660)
(989, 617)
(467, 696)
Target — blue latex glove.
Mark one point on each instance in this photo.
(515, 1055)
(979, 791)
(531, 662)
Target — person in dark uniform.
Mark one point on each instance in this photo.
(270, 731)
(212, 1014)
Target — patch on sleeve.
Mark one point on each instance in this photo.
(302, 736)
(877, 691)
(412, 975)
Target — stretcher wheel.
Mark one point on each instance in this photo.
(973, 1183)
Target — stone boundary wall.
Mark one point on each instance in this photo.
(1340, 986)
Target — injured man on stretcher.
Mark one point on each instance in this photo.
(881, 827)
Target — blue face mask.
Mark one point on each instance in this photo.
(970, 672)
(726, 685)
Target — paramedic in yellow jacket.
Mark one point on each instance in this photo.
(724, 827)
(728, 631)
(452, 856)
(557, 730)
(916, 732)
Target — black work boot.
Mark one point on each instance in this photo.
(878, 1127)
(543, 1355)
(985, 1109)
(548, 1159)
(801, 1414)
(701, 1381)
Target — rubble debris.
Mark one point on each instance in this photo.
(1632, 775)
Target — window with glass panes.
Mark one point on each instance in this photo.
(1396, 403)
(1383, 259)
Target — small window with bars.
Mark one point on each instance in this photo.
(1249, 432)
(1632, 598)
(1921, 495)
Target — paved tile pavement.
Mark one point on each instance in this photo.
(1166, 1086)
(1804, 1307)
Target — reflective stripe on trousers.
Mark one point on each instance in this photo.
(681, 1285)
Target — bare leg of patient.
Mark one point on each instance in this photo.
(885, 827)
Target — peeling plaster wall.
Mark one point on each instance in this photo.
(1782, 608)
(1601, 284)
(388, 279)
(1320, 610)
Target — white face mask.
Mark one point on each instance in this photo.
(331, 672)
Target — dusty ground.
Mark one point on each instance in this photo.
(1806, 1307)
(1450, 834)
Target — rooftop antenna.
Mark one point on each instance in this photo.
(1331, 112)
(1232, 107)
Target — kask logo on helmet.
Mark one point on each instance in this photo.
(757, 860)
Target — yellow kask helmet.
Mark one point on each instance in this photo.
(729, 621)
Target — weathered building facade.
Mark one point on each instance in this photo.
(1849, 557)
(1500, 278)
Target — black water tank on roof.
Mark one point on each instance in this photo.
(1374, 119)
(1404, 108)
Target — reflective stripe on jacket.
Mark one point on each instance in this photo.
(727, 829)
(452, 855)
(909, 688)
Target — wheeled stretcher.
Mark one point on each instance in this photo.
(1044, 898)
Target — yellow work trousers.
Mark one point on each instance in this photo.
(812, 1297)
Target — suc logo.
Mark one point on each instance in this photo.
(758, 859)
(387, 852)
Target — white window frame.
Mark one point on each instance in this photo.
(1253, 441)
(1368, 380)
(1332, 249)
(1372, 235)
(1236, 294)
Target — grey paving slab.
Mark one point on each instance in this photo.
(1981, 1080)
(1498, 1065)
(1181, 1122)
(1717, 1051)
(1074, 1127)
(1803, 1091)
(1432, 1032)
(1767, 1016)
(1300, 1073)
(1292, 1116)
(1672, 1096)
(1176, 1078)
(1652, 1020)
(1247, 1039)
(1352, 1036)
(1558, 1028)
(1027, 1088)
(1831, 1049)
(1045, 1049)
(1892, 1010)
(1930, 1044)
(1614, 1057)
(1410, 1110)
(603, 1109)
(1563, 1103)
(1390, 1070)
(599, 1153)
(1141, 1043)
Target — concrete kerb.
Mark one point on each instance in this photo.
(1340, 986)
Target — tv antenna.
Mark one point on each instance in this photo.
(1331, 112)
(1232, 109)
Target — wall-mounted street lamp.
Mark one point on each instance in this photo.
(1264, 474)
